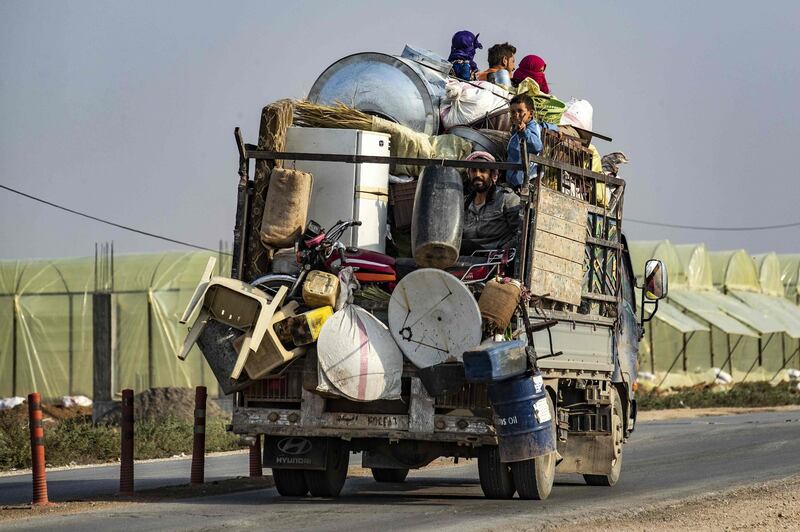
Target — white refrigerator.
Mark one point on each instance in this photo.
(343, 191)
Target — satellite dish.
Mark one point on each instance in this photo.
(433, 317)
(358, 356)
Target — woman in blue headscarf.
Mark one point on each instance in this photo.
(462, 54)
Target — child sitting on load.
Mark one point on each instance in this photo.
(523, 126)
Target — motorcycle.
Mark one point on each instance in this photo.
(317, 249)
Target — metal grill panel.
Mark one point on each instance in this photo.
(280, 388)
(470, 396)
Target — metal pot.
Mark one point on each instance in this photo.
(500, 77)
(396, 88)
(480, 142)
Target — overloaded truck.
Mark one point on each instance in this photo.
(330, 343)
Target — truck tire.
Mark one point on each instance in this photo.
(617, 434)
(496, 479)
(382, 474)
(330, 481)
(290, 482)
(534, 478)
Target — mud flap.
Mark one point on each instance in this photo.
(587, 454)
(295, 452)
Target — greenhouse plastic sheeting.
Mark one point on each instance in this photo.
(663, 250)
(739, 325)
(696, 265)
(678, 320)
(769, 274)
(46, 324)
(734, 270)
(759, 320)
(700, 303)
(790, 275)
(782, 310)
(664, 340)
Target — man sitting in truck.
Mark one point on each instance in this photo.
(501, 65)
(491, 211)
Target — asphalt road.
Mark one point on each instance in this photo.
(87, 482)
(84, 483)
(664, 461)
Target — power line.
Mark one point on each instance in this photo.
(705, 228)
(161, 237)
(108, 222)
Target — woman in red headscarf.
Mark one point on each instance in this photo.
(532, 66)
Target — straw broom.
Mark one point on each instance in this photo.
(307, 114)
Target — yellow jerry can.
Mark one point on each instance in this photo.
(302, 329)
(320, 289)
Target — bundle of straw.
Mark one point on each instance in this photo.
(372, 298)
(373, 293)
(340, 116)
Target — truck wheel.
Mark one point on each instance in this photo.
(496, 479)
(534, 478)
(330, 481)
(616, 434)
(290, 482)
(381, 474)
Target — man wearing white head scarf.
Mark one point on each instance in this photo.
(491, 212)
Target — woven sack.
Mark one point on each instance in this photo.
(286, 208)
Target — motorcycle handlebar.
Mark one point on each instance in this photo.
(340, 227)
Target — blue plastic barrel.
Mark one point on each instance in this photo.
(495, 361)
(522, 418)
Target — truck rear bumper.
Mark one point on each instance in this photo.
(465, 430)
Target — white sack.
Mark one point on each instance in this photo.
(464, 103)
(579, 113)
(359, 357)
(10, 402)
(75, 400)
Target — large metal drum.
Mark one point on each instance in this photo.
(438, 217)
(522, 418)
(396, 88)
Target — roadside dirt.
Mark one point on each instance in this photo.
(680, 413)
(147, 405)
(160, 402)
(50, 413)
(769, 506)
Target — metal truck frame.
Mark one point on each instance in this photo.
(587, 351)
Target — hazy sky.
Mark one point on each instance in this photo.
(126, 109)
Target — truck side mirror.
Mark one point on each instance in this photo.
(655, 280)
(655, 288)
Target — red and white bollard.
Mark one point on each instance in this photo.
(126, 445)
(199, 443)
(37, 449)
